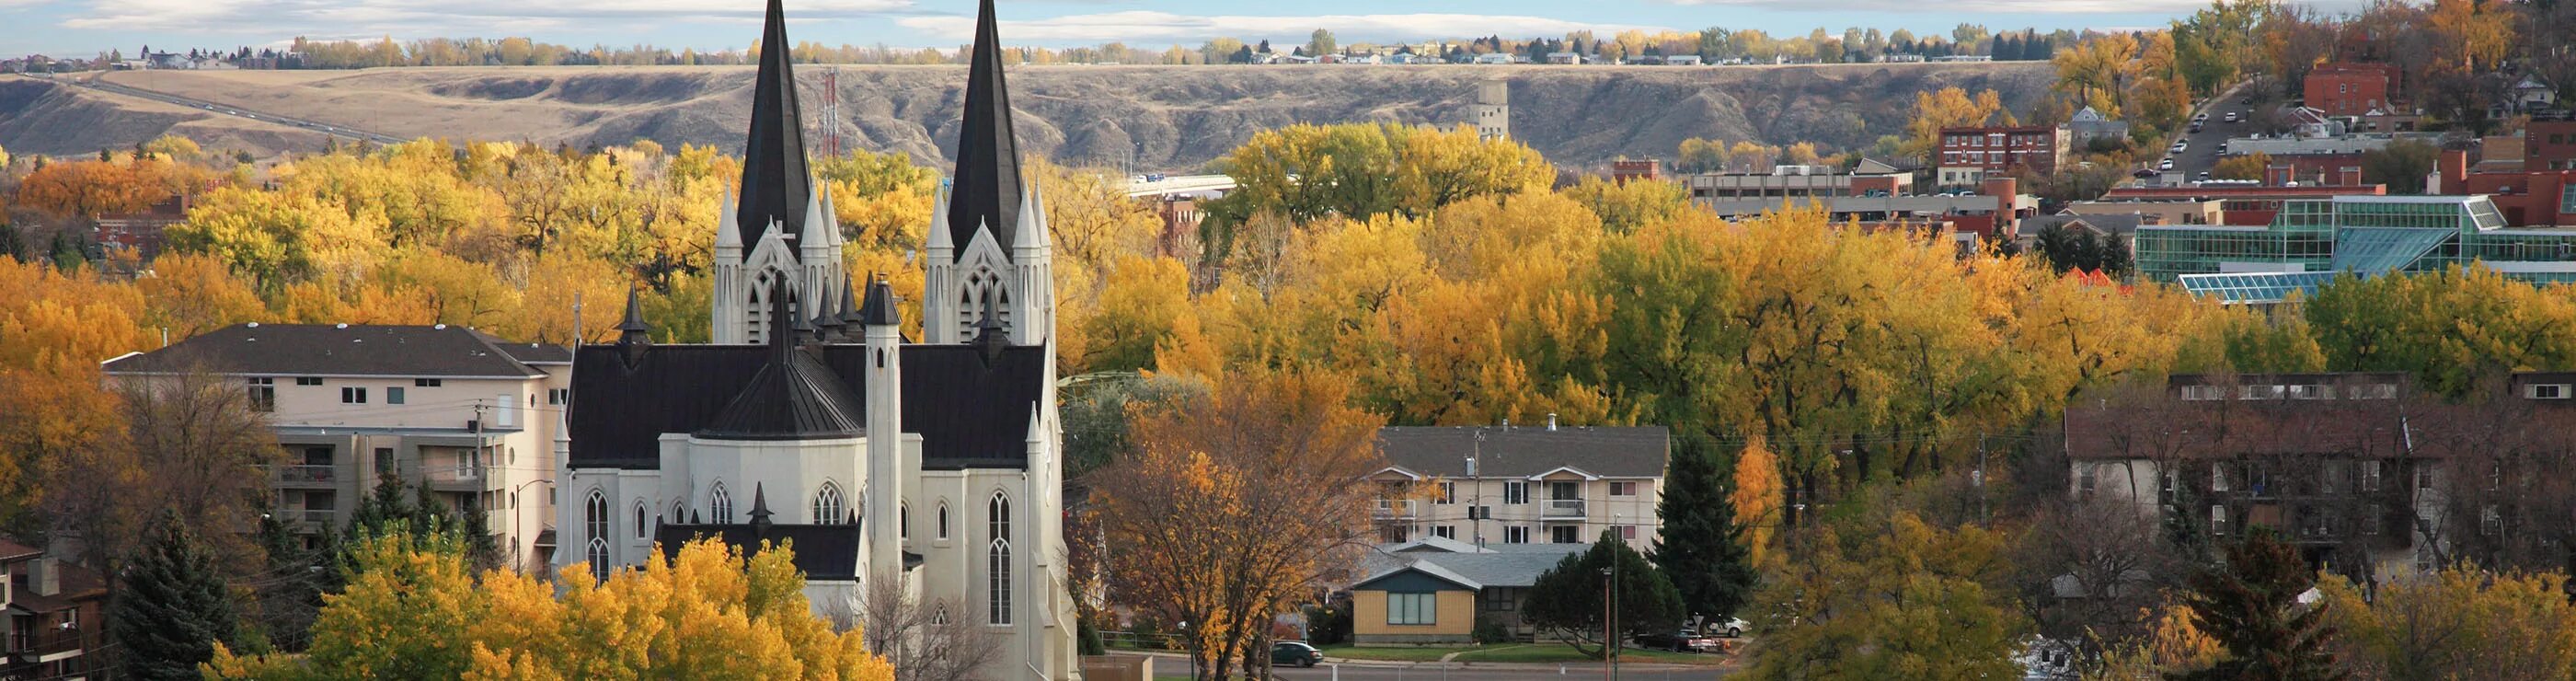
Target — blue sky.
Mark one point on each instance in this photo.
(79, 27)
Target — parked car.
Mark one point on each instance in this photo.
(2143, 173)
(2166, 164)
(1678, 640)
(2180, 145)
(1733, 628)
(1294, 652)
(2195, 126)
(2204, 176)
(2231, 117)
(2200, 117)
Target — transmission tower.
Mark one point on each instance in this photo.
(831, 112)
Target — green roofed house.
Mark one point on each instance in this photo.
(2310, 242)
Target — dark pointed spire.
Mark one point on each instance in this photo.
(775, 186)
(782, 324)
(851, 320)
(633, 336)
(827, 324)
(880, 308)
(986, 187)
(759, 509)
(989, 334)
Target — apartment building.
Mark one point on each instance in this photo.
(470, 416)
(55, 612)
(1969, 155)
(2350, 89)
(1521, 484)
(2362, 473)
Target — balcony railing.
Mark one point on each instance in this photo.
(1389, 509)
(33, 643)
(307, 473)
(1562, 508)
(315, 516)
(458, 472)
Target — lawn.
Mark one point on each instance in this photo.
(1558, 652)
(1424, 654)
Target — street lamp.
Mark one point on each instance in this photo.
(1610, 620)
(515, 516)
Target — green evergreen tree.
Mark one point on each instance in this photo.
(480, 549)
(1566, 601)
(173, 609)
(10, 246)
(1701, 549)
(2249, 602)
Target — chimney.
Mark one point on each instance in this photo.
(1551, 421)
(2277, 175)
(2348, 176)
(45, 576)
(2453, 172)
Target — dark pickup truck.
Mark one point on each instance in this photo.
(1679, 641)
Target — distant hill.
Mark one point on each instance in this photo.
(1169, 118)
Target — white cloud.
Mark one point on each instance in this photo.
(428, 17)
(1976, 7)
(1154, 27)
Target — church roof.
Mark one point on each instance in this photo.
(986, 188)
(775, 186)
(793, 397)
(823, 552)
(345, 350)
(971, 412)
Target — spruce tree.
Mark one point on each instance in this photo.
(1565, 602)
(173, 609)
(2250, 604)
(1701, 548)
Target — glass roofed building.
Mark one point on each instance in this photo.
(2311, 241)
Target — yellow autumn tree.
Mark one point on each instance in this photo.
(414, 609)
(1757, 498)
(1947, 108)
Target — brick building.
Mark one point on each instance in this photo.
(2549, 145)
(2350, 89)
(1969, 155)
(2530, 198)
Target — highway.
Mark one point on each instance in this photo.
(224, 109)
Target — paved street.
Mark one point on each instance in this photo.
(2202, 154)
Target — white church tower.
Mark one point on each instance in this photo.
(782, 227)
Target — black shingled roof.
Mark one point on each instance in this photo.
(331, 350)
(823, 552)
(986, 187)
(1617, 452)
(970, 412)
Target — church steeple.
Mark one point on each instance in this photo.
(775, 187)
(986, 189)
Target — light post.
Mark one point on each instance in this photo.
(516, 516)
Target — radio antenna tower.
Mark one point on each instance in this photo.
(831, 112)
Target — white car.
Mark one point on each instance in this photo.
(1732, 627)
(2167, 164)
(2179, 146)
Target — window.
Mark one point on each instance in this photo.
(594, 518)
(943, 521)
(2370, 522)
(558, 396)
(1411, 608)
(1623, 489)
(2490, 522)
(2218, 477)
(1445, 531)
(640, 525)
(2202, 393)
(1515, 492)
(2495, 475)
(719, 506)
(2567, 199)
(2170, 481)
(308, 380)
(263, 394)
(1448, 493)
(1516, 534)
(385, 463)
(903, 521)
(2084, 480)
(2311, 392)
(2218, 521)
(679, 511)
(2424, 478)
(1563, 534)
(2370, 476)
(2261, 392)
(1628, 533)
(2545, 391)
(827, 504)
(424, 383)
(999, 566)
(353, 395)
(393, 395)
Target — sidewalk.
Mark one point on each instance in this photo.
(1184, 659)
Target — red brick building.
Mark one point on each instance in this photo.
(2350, 89)
(1968, 155)
(1623, 171)
(2549, 145)
(55, 615)
(2530, 198)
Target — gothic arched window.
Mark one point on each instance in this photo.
(999, 565)
(641, 527)
(594, 520)
(719, 506)
(827, 504)
(943, 520)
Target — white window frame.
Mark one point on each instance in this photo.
(2370, 476)
(1412, 609)
(1516, 492)
(719, 505)
(828, 504)
(1516, 534)
(2218, 520)
(1448, 493)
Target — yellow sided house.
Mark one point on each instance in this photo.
(1436, 591)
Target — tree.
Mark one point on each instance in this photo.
(173, 608)
(1234, 503)
(1566, 601)
(1701, 549)
(1949, 107)
(2242, 167)
(919, 638)
(2402, 165)
(1754, 498)
(414, 609)
(1886, 595)
(2457, 622)
(2250, 604)
(1321, 43)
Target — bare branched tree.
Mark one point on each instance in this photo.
(925, 640)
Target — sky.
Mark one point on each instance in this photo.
(84, 27)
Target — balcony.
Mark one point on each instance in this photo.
(456, 476)
(35, 645)
(306, 474)
(308, 516)
(1396, 509)
(1561, 508)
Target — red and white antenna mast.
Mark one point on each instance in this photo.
(831, 112)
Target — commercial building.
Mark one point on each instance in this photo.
(56, 615)
(1995, 210)
(471, 417)
(2526, 198)
(2350, 89)
(1972, 154)
(2360, 472)
(2310, 242)
(1435, 591)
(2240, 204)
(1521, 485)
(2549, 145)
(1870, 178)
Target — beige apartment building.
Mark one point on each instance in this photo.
(1521, 485)
(470, 416)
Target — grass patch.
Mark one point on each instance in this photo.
(1422, 654)
(1557, 652)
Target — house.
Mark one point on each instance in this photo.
(1900, 58)
(1436, 591)
(2088, 125)
(1494, 58)
(2360, 472)
(1681, 60)
(446, 407)
(2534, 94)
(57, 615)
(1566, 58)
(1521, 485)
(1968, 155)
(2350, 88)
(929, 467)
(2122, 228)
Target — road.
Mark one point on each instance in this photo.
(2202, 154)
(223, 109)
(1571, 672)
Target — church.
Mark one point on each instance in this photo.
(811, 419)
